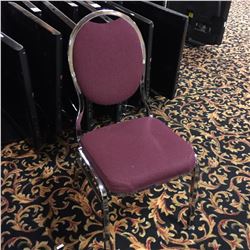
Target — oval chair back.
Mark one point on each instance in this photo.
(107, 60)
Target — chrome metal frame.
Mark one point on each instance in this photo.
(73, 35)
(90, 173)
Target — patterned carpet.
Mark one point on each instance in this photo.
(47, 202)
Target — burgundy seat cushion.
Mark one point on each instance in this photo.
(136, 154)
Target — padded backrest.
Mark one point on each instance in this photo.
(107, 61)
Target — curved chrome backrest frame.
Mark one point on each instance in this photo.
(73, 35)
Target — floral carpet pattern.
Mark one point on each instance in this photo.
(47, 202)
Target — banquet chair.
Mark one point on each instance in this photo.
(107, 64)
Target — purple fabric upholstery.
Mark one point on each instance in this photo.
(107, 60)
(135, 154)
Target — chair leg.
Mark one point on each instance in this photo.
(193, 193)
(101, 194)
(105, 207)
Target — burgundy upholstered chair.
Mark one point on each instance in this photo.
(107, 63)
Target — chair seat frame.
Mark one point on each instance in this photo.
(95, 181)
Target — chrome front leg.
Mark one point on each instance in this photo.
(193, 193)
(105, 208)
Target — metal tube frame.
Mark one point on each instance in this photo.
(73, 35)
(96, 183)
